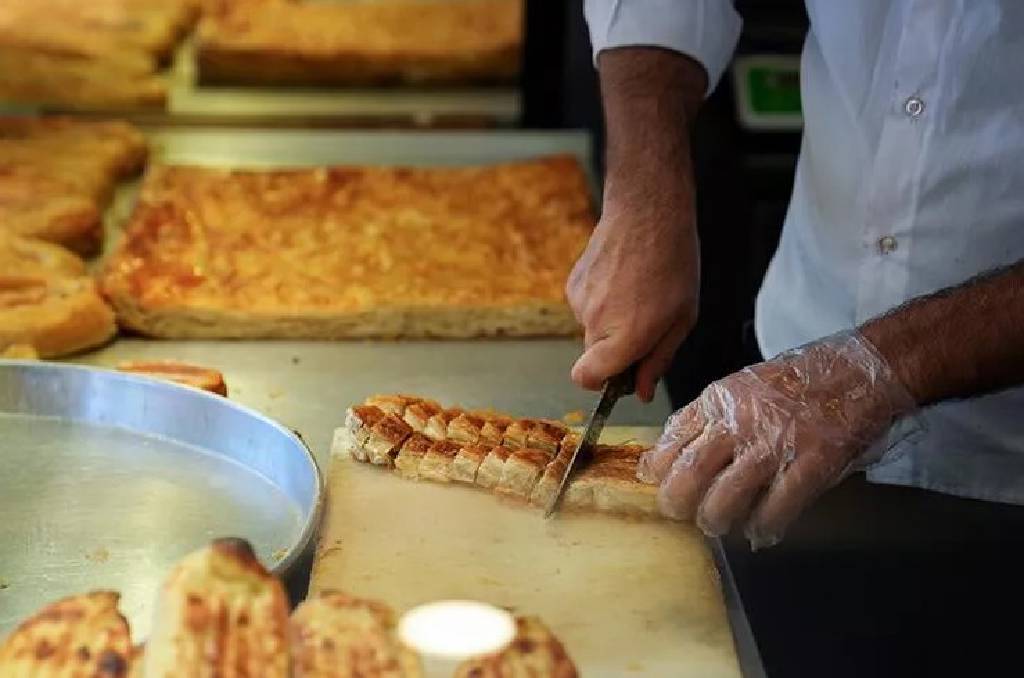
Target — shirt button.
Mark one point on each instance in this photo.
(913, 107)
(887, 244)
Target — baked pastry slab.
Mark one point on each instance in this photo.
(358, 43)
(456, 446)
(348, 252)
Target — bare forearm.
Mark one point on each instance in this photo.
(650, 96)
(960, 342)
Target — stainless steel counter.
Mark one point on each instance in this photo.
(307, 385)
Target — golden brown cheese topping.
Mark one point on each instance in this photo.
(355, 238)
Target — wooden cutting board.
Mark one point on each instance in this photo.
(628, 598)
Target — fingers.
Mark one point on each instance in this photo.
(693, 472)
(792, 490)
(735, 491)
(680, 429)
(654, 365)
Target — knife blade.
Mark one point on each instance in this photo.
(618, 386)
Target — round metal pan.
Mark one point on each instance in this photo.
(107, 479)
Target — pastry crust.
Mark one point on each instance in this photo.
(437, 462)
(491, 468)
(20, 256)
(326, 253)
(56, 316)
(408, 460)
(335, 635)
(419, 413)
(386, 41)
(219, 613)
(57, 175)
(385, 438)
(521, 471)
(467, 463)
(534, 652)
(204, 378)
(82, 635)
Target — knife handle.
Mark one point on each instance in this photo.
(623, 383)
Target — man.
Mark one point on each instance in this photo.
(910, 181)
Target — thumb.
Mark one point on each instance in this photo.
(601, 360)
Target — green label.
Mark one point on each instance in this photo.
(774, 90)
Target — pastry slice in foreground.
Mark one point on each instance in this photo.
(204, 378)
(335, 635)
(437, 462)
(411, 454)
(219, 613)
(467, 463)
(417, 414)
(521, 471)
(437, 425)
(534, 653)
(491, 468)
(78, 636)
(358, 421)
(385, 439)
(465, 429)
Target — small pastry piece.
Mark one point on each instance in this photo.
(493, 430)
(516, 436)
(78, 636)
(408, 460)
(203, 378)
(467, 462)
(335, 635)
(546, 487)
(391, 404)
(535, 652)
(465, 429)
(437, 425)
(21, 256)
(358, 421)
(56, 316)
(417, 414)
(19, 352)
(386, 436)
(521, 471)
(489, 473)
(219, 613)
(437, 462)
(546, 435)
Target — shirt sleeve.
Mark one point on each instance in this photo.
(705, 30)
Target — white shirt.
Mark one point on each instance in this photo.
(910, 179)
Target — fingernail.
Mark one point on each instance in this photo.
(710, 527)
(669, 509)
(760, 539)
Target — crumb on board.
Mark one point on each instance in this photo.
(279, 554)
(4, 584)
(98, 555)
(295, 360)
(275, 393)
(574, 417)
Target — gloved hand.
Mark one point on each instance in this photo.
(761, 444)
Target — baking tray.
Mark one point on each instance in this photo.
(107, 479)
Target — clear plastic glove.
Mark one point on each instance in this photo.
(761, 444)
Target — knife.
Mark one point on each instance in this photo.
(620, 385)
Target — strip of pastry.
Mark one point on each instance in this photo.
(386, 437)
(521, 471)
(417, 414)
(467, 463)
(437, 462)
(437, 425)
(489, 473)
(407, 463)
(358, 421)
